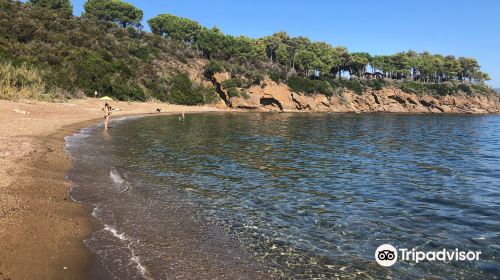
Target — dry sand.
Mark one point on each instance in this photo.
(41, 229)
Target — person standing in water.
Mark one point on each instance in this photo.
(107, 114)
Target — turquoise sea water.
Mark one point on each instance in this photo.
(290, 196)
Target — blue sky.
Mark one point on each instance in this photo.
(458, 27)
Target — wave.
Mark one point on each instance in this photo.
(134, 258)
(119, 180)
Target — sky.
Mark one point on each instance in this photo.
(456, 27)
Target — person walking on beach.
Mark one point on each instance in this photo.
(107, 114)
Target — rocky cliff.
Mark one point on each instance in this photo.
(270, 96)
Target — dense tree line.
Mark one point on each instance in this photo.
(307, 58)
(106, 50)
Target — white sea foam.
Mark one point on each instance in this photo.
(115, 176)
(115, 233)
(95, 211)
(75, 139)
(134, 258)
(118, 180)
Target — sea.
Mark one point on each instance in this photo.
(289, 195)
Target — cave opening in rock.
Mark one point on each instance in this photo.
(271, 103)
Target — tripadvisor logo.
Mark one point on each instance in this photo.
(387, 255)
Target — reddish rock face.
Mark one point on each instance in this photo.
(270, 96)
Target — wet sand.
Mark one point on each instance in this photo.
(41, 229)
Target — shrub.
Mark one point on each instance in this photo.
(184, 92)
(412, 87)
(441, 89)
(355, 86)
(127, 91)
(465, 88)
(233, 83)
(276, 76)
(299, 84)
(323, 87)
(209, 94)
(233, 92)
(142, 53)
(254, 78)
(308, 86)
(158, 87)
(213, 67)
(375, 84)
(482, 89)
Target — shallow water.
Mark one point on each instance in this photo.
(290, 195)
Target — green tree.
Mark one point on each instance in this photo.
(273, 42)
(116, 11)
(210, 42)
(451, 67)
(63, 6)
(306, 60)
(427, 67)
(469, 67)
(177, 28)
(283, 54)
(438, 64)
(294, 45)
(325, 54)
(399, 65)
(240, 48)
(480, 77)
(340, 60)
(358, 63)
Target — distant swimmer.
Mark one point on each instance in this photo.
(107, 114)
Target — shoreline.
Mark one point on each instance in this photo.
(45, 240)
(41, 228)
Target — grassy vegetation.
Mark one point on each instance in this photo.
(22, 82)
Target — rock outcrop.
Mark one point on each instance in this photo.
(270, 96)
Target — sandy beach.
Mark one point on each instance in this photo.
(41, 228)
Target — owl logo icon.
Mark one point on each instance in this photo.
(386, 255)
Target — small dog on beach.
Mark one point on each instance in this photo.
(158, 110)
